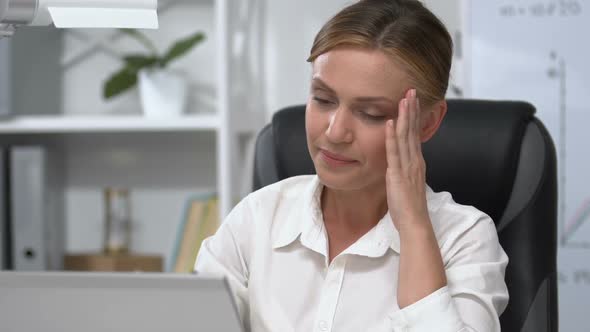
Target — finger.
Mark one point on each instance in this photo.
(414, 132)
(401, 130)
(391, 146)
(418, 114)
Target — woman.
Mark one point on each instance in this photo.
(365, 245)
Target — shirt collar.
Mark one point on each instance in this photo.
(306, 223)
(377, 240)
(303, 217)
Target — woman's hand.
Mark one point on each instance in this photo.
(406, 199)
(406, 171)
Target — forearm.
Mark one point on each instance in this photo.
(421, 270)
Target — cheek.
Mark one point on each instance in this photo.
(314, 123)
(374, 147)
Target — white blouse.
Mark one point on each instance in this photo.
(273, 249)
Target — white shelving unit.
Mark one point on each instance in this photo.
(238, 113)
(105, 124)
(112, 124)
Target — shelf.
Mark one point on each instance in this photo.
(102, 123)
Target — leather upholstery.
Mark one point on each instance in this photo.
(494, 155)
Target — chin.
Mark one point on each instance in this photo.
(348, 179)
(339, 180)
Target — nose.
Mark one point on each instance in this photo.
(339, 130)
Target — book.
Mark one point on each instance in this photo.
(208, 227)
(200, 220)
(189, 231)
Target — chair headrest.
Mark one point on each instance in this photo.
(292, 155)
(474, 155)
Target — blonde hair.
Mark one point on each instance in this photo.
(407, 31)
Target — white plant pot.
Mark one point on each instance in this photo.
(162, 92)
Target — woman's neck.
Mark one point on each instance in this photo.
(355, 211)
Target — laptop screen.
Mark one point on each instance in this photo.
(72, 301)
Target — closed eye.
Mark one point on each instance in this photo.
(321, 101)
(372, 118)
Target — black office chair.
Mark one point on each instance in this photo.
(494, 155)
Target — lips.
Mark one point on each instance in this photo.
(334, 160)
(336, 157)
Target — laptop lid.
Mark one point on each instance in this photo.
(92, 302)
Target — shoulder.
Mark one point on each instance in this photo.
(459, 227)
(443, 207)
(269, 203)
(282, 191)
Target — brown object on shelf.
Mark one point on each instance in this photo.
(114, 262)
(117, 235)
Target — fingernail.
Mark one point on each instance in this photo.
(405, 102)
(413, 93)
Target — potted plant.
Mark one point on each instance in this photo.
(162, 91)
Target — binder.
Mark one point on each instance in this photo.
(5, 78)
(36, 205)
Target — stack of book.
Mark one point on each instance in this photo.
(200, 220)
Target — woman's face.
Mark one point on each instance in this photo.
(353, 93)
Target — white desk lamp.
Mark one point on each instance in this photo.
(138, 14)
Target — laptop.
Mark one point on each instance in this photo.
(92, 302)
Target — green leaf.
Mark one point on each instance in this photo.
(142, 39)
(181, 47)
(120, 82)
(138, 62)
(130, 32)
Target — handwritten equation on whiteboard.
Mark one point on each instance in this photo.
(561, 8)
(579, 277)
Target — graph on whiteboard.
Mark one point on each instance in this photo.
(538, 51)
(570, 220)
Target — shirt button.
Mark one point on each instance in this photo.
(323, 325)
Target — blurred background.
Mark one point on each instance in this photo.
(122, 182)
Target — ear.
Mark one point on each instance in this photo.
(432, 118)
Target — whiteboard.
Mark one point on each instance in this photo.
(539, 51)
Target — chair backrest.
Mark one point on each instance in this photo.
(494, 155)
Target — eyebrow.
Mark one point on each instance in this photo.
(324, 86)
